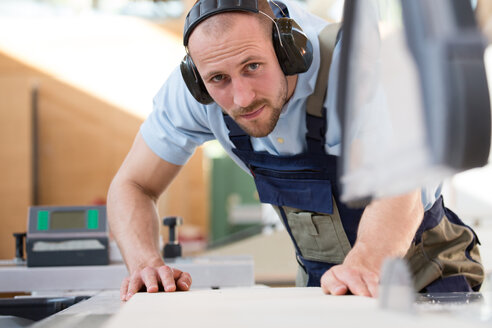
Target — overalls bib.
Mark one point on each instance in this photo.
(303, 189)
(443, 257)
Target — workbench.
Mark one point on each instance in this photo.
(92, 313)
(261, 306)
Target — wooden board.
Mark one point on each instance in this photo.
(269, 307)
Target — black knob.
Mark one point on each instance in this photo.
(172, 249)
(19, 245)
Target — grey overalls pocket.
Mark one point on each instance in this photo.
(447, 250)
(319, 236)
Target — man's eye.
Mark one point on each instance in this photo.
(217, 78)
(253, 66)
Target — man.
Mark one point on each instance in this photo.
(245, 75)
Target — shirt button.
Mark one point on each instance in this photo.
(280, 140)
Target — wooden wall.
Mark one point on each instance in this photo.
(82, 142)
(15, 154)
(188, 197)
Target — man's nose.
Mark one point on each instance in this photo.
(243, 92)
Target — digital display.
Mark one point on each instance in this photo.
(67, 220)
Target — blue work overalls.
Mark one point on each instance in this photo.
(303, 189)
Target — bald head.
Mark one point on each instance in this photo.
(217, 25)
(220, 23)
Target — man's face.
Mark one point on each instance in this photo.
(240, 70)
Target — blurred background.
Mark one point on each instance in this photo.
(77, 78)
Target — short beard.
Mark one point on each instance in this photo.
(254, 131)
(275, 109)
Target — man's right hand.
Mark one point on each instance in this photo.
(151, 277)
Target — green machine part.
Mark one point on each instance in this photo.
(230, 185)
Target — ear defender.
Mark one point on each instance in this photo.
(194, 81)
(292, 47)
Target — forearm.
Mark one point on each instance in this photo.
(386, 229)
(134, 224)
(134, 221)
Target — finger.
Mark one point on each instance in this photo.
(372, 282)
(150, 280)
(176, 273)
(124, 288)
(167, 278)
(135, 284)
(331, 285)
(184, 281)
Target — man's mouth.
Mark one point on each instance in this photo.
(253, 114)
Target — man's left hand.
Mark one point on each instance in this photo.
(397, 219)
(356, 279)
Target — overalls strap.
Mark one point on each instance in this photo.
(316, 112)
(239, 138)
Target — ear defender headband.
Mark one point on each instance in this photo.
(293, 49)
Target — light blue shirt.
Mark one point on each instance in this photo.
(178, 123)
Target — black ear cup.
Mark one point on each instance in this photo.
(194, 81)
(292, 47)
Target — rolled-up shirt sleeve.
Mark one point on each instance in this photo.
(177, 124)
